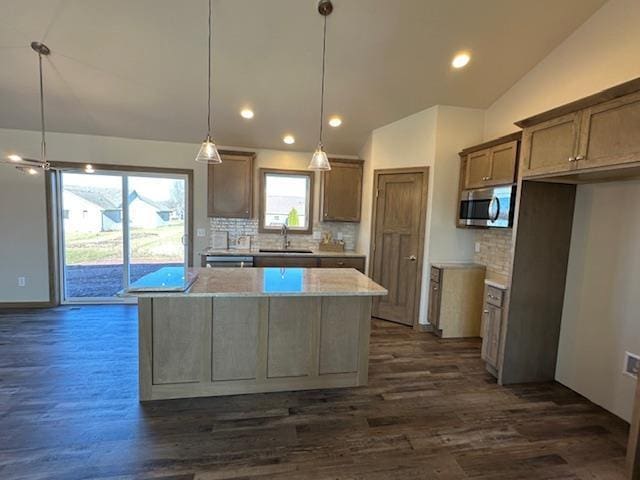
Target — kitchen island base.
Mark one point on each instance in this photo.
(210, 346)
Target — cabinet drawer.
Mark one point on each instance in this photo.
(494, 296)
(435, 274)
(340, 262)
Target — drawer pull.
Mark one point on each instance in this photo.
(486, 311)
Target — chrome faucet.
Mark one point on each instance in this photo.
(284, 231)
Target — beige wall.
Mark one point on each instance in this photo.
(600, 318)
(23, 245)
(431, 138)
(603, 52)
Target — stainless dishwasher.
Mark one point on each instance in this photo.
(228, 261)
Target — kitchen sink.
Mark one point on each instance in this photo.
(282, 250)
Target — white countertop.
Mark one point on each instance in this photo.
(272, 282)
(497, 280)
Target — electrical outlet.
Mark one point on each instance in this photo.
(477, 247)
(201, 232)
(340, 236)
(631, 364)
(22, 281)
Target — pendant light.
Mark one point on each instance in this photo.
(31, 166)
(319, 161)
(208, 152)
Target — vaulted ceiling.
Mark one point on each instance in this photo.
(137, 68)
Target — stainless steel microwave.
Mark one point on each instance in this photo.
(487, 207)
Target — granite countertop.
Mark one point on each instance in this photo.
(457, 265)
(254, 252)
(497, 280)
(272, 282)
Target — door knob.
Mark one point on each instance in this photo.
(411, 258)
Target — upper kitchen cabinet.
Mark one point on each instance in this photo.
(582, 140)
(550, 146)
(478, 169)
(230, 186)
(341, 194)
(610, 133)
(490, 164)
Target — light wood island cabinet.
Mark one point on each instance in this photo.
(252, 330)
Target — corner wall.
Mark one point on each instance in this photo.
(600, 314)
(431, 138)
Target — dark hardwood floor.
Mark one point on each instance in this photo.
(69, 410)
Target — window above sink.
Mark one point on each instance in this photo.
(286, 198)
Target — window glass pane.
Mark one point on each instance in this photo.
(286, 201)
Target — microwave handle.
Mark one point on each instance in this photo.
(494, 201)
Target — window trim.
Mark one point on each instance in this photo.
(262, 199)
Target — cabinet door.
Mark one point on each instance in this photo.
(491, 334)
(342, 192)
(610, 133)
(434, 304)
(230, 186)
(478, 169)
(550, 147)
(503, 164)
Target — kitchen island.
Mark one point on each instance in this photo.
(253, 330)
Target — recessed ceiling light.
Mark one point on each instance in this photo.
(335, 121)
(247, 113)
(289, 139)
(460, 60)
(15, 158)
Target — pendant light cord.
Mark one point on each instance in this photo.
(43, 142)
(209, 78)
(324, 49)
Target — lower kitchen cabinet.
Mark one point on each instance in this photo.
(455, 299)
(302, 261)
(492, 324)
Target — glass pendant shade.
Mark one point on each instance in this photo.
(319, 161)
(208, 152)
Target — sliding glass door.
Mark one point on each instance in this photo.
(119, 228)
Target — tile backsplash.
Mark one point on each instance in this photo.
(495, 249)
(243, 226)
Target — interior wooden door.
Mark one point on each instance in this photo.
(399, 213)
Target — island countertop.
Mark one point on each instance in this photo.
(273, 282)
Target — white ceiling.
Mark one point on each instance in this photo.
(137, 68)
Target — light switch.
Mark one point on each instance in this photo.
(201, 232)
(340, 236)
(477, 247)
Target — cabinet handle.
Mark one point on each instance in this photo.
(486, 178)
(411, 258)
(572, 159)
(579, 157)
(486, 311)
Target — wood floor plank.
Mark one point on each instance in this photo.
(69, 410)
